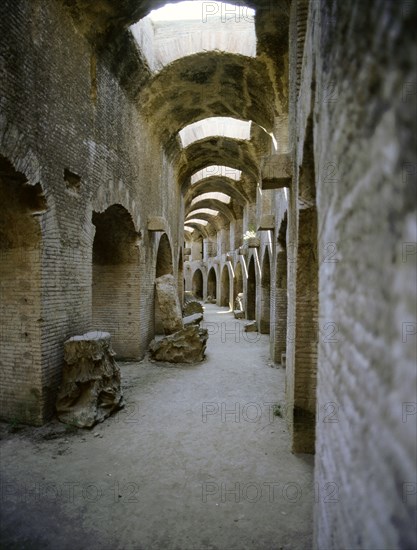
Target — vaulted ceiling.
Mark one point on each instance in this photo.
(197, 87)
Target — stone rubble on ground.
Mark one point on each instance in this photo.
(90, 390)
(250, 327)
(192, 319)
(185, 346)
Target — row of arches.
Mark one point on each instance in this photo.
(226, 288)
(42, 303)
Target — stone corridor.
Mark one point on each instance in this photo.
(197, 459)
(257, 158)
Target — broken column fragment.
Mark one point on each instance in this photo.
(90, 390)
(169, 303)
(239, 310)
(194, 319)
(185, 346)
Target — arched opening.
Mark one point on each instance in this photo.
(212, 284)
(20, 296)
(197, 284)
(180, 278)
(251, 291)
(115, 285)
(238, 288)
(281, 305)
(237, 37)
(163, 267)
(164, 258)
(266, 294)
(225, 288)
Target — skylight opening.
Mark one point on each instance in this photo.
(187, 28)
(208, 211)
(217, 196)
(215, 126)
(197, 220)
(202, 11)
(215, 170)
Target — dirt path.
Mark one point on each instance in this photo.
(196, 460)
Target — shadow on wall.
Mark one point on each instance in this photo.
(197, 284)
(20, 296)
(251, 291)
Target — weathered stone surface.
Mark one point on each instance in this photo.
(210, 300)
(194, 319)
(90, 390)
(185, 346)
(239, 314)
(250, 327)
(192, 307)
(169, 304)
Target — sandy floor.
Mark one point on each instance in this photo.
(196, 460)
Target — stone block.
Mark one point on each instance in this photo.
(194, 319)
(185, 346)
(253, 242)
(90, 390)
(157, 223)
(276, 171)
(266, 223)
(239, 314)
(169, 303)
(250, 327)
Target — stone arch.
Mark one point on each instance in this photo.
(164, 257)
(212, 284)
(205, 76)
(113, 192)
(163, 266)
(265, 320)
(22, 204)
(215, 184)
(251, 291)
(225, 287)
(237, 154)
(197, 284)
(116, 280)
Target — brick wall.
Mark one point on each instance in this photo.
(60, 118)
(365, 145)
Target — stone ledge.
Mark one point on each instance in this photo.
(157, 223)
(276, 172)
